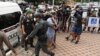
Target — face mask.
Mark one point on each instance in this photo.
(34, 19)
(30, 15)
(92, 9)
(72, 8)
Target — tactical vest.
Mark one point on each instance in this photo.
(42, 32)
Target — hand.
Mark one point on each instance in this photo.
(26, 38)
(15, 54)
(56, 27)
(24, 33)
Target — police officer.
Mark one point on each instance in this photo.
(40, 31)
(3, 38)
(27, 27)
(60, 19)
(67, 15)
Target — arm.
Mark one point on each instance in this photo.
(23, 31)
(23, 28)
(50, 24)
(33, 26)
(34, 32)
(6, 41)
(1, 53)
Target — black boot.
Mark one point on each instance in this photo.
(26, 48)
(37, 55)
(89, 29)
(76, 42)
(67, 38)
(72, 40)
(52, 54)
(92, 31)
(22, 46)
(84, 28)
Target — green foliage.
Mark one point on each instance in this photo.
(87, 0)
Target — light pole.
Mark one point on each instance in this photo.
(53, 2)
(81, 1)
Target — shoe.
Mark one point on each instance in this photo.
(54, 46)
(67, 38)
(36, 55)
(52, 54)
(72, 40)
(83, 29)
(76, 42)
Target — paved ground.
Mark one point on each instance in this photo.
(89, 45)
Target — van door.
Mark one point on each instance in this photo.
(9, 23)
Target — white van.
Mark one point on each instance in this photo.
(10, 14)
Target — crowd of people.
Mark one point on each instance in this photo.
(43, 24)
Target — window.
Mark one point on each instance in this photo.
(8, 20)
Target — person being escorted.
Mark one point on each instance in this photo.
(40, 31)
(4, 38)
(51, 30)
(67, 13)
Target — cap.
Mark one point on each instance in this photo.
(40, 10)
(78, 6)
(37, 15)
(29, 11)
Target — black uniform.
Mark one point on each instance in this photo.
(66, 14)
(40, 31)
(28, 27)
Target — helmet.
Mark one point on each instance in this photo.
(29, 11)
(37, 15)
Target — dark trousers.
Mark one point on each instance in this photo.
(42, 46)
(93, 29)
(65, 18)
(25, 43)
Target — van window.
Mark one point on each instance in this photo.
(8, 20)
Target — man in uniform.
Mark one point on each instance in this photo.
(27, 27)
(3, 38)
(40, 31)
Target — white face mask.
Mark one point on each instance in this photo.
(34, 19)
(72, 8)
(30, 15)
(92, 9)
